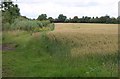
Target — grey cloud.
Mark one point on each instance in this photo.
(76, 4)
(89, 4)
(31, 1)
(64, 6)
(65, 3)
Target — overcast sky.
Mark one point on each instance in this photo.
(70, 8)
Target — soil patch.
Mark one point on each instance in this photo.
(9, 46)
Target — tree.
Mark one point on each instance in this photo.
(10, 11)
(50, 19)
(87, 19)
(118, 19)
(42, 17)
(113, 20)
(62, 18)
(92, 20)
(75, 19)
(104, 19)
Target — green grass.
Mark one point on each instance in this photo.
(49, 54)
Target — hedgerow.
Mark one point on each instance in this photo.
(31, 25)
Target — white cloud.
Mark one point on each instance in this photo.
(69, 8)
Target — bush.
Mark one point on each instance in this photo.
(45, 23)
(32, 25)
(6, 26)
(52, 26)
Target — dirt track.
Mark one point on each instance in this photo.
(5, 47)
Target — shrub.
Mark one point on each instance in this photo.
(6, 26)
(52, 26)
(45, 23)
(32, 25)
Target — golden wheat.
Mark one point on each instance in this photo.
(87, 38)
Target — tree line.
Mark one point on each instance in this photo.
(11, 11)
(85, 19)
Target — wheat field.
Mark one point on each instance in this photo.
(87, 38)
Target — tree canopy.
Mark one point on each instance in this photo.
(10, 11)
(62, 18)
(42, 17)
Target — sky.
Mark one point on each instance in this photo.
(70, 8)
